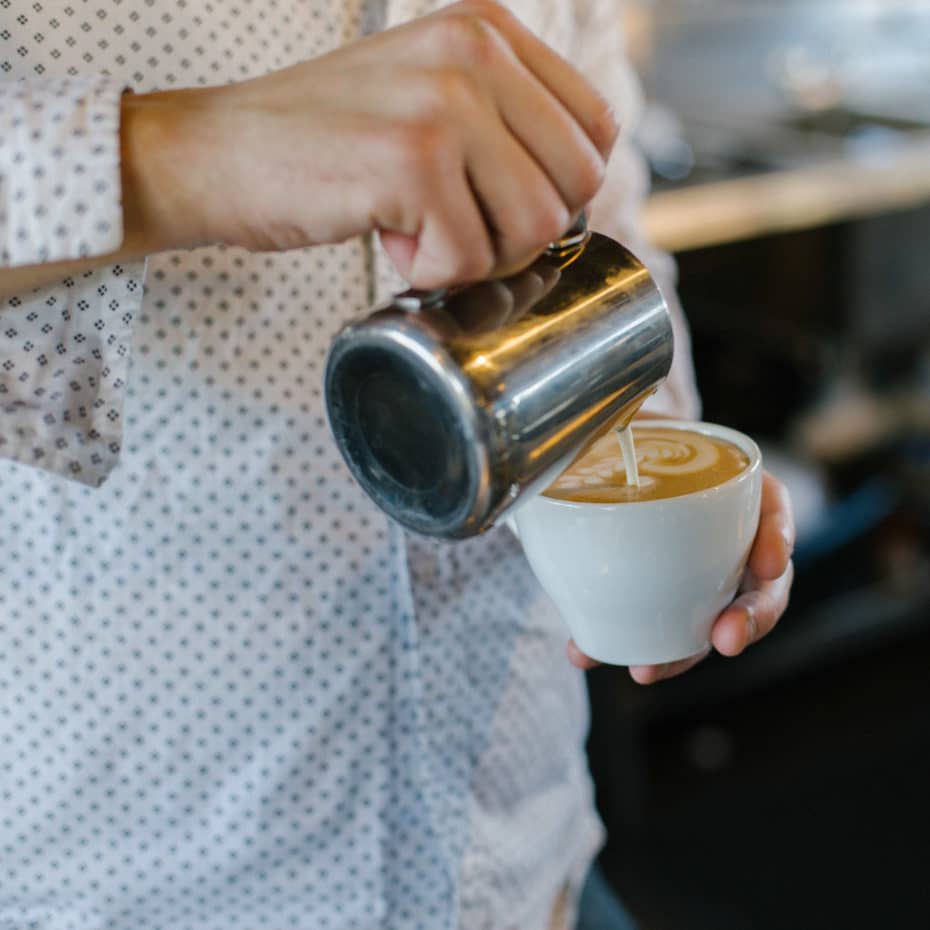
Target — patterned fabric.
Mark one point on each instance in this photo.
(64, 353)
(231, 694)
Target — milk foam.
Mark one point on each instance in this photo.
(681, 455)
(666, 462)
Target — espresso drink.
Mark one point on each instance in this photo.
(670, 462)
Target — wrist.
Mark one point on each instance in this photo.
(167, 156)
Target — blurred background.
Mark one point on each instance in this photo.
(789, 142)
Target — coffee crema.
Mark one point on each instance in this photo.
(671, 462)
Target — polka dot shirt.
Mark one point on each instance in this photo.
(232, 694)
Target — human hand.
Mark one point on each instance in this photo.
(491, 305)
(464, 140)
(762, 598)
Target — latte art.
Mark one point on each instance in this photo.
(670, 462)
(681, 454)
(640, 575)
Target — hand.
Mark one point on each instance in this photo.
(492, 305)
(464, 140)
(763, 594)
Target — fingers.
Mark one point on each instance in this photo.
(650, 674)
(748, 619)
(767, 588)
(451, 243)
(752, 615)
(768, 578)
(534, 134)
(459, 137)
(578, 658)
(774, 542)
(475, 62)
(641, 674)
(565, 83)
(528, 82)
(547, 131)
(523, 208)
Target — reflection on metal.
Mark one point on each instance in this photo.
(449, 407)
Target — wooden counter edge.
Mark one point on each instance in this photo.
(782, 201)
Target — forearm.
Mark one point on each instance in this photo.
(160, 176)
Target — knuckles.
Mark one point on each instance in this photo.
(448, 91)
(466, 34)
(417, 148)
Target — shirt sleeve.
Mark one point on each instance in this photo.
(599, 52)
(64, 348)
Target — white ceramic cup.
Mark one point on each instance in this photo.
(641, 583)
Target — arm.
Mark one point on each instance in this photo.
(462, 139)
(459, 136)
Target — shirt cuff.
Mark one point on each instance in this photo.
(60, 184)
(64, 365)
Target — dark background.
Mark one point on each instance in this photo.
(789, 788)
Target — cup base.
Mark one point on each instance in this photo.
(657, 657)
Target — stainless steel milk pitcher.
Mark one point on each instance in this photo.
(449, 405)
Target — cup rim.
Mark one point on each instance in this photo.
(741, 440)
